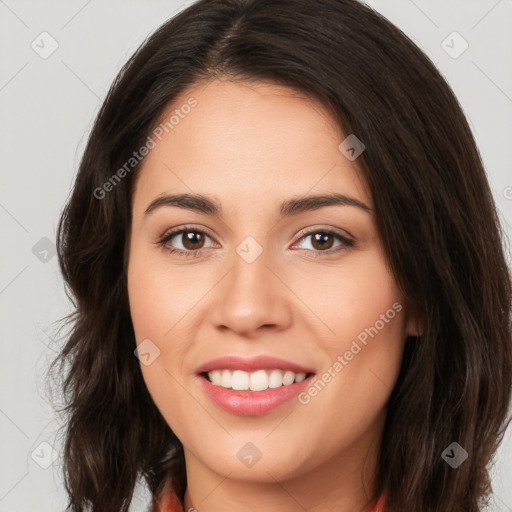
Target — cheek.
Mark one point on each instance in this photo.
(162, 299)
(156, 308)
(363, 311)
(351, 296)
(157, 297)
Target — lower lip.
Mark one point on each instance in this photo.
(252, 403)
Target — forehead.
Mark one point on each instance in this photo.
(249, 141)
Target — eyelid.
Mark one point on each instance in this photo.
(171, 233)
(303, 232)
(326, 229)
(347, 241)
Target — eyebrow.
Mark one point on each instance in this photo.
(294, 206)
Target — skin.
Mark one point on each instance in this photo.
(251, 146)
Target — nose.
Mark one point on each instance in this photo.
(252, 297)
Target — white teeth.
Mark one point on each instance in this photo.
(300, 377)
(254, 381)
(216, 377)
(288, 378)
(258, 381)
(276, 379)
(226, 379)
(240, 380)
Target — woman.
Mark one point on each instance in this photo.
(282, 213)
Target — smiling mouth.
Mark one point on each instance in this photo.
(259, 380)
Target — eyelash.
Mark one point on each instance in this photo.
(346, 242)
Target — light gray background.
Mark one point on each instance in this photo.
(47, 108)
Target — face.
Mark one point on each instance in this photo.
(239, 274)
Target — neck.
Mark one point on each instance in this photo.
(344, 482)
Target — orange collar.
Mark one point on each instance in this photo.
(375, 507)
(172, 503)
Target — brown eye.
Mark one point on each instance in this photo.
(186, 242)
(192, 240)
(322, 240)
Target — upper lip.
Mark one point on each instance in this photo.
(261, 362)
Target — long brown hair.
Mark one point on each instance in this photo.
(435, 215)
